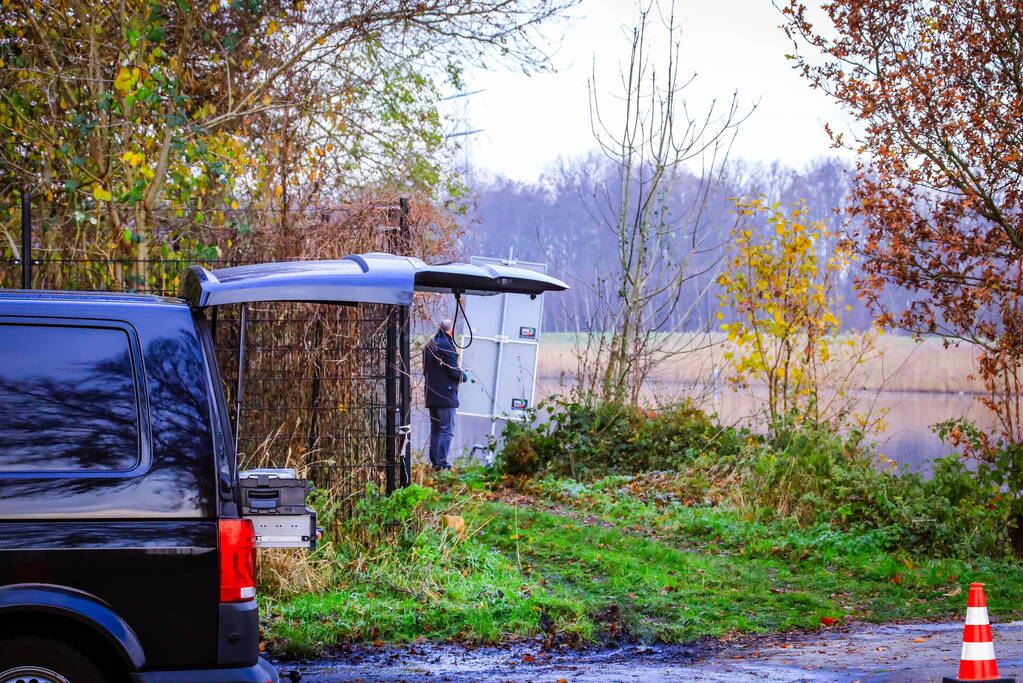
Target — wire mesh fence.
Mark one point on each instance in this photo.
(315, 392)
(325, 387)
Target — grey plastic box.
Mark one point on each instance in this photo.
(273, 492)
(274, 501)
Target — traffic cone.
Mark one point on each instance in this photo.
(977, 662)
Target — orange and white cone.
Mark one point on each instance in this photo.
(977, 662)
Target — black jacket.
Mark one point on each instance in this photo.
(440, 365)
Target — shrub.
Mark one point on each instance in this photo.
(400, 513)
(800, 471)
(518, 457)
(584, 440)
(815, 476)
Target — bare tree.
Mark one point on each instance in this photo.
(664, 243)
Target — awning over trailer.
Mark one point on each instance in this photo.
(371, 278)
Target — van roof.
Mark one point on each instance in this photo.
(86, 296)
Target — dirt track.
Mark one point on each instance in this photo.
(863, 652)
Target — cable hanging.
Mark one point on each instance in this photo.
(468, 326)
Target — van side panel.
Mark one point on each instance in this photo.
(143, 542)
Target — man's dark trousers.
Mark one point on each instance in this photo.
(442, 429)
(443, 375)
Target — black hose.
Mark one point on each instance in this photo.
(454, 325)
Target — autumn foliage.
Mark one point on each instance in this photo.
(779, 289)
(136, 125)
(936, 92)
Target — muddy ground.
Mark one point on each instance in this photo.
(860, 652)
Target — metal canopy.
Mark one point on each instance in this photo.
(359, 278)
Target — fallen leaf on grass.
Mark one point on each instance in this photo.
(828, 621)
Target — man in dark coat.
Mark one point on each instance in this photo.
(443, 375)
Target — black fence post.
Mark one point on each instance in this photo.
(391, 399)
(397, 380)
(240, 387)
(26, 239)
(405, 353)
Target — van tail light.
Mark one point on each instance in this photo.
(237, 560)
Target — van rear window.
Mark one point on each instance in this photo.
(67, 399)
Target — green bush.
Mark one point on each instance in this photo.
(798, 470)
(585, 441)
(518, 457)
(815, 476)
(398, 515)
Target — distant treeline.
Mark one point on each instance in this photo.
(562, 220)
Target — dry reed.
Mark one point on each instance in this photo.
(901, 364)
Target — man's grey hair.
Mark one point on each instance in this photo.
(447, 325)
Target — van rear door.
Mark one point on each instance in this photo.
(355, 279)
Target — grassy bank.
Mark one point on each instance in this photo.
(620, 557)
(601, 522)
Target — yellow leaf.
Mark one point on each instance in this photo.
(133, 158)
(278, 191)
(100, 194)
(123, 82)
(273, 27)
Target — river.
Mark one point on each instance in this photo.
(905, 418)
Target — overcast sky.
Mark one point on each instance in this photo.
(731, 45)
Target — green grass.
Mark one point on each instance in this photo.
(590, 562)
(433, 584)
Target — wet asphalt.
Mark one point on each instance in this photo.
(906, 653)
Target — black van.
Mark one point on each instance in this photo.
(124, 555)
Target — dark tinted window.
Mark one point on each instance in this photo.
(67, 399)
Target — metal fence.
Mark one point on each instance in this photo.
(323, 388)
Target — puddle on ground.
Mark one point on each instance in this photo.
(906, 653)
